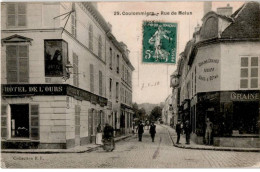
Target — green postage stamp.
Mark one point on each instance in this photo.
(159, 42)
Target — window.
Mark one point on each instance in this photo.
(90, 36)
(249, 72)
(73, 24)
(110, 58)
(100, 47)
(17, 63)
(100, 83)
(117, 64)
(91, 78)
(110, 88)
(16, 15)
(75, 70)
(117, 90)
(123, 72)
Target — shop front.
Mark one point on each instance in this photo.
(234, 114)
(49, 116)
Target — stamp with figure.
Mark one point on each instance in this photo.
(159, 42)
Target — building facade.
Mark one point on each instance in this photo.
(55, 74)
(167, 111)
(218, 77)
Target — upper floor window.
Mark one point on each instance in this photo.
(249, 72)
(117, 90)
(110, 88)
(90, 36)
(17, 63)
(110, 58)
(100, 47)
(16, 14)
(100, 83)
(117, 64)
(91, 78)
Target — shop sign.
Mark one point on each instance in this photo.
(51, 89)
(208, 72)
(75, 92)
(94, 99)
(55, 55)
(244, 96)
(33, 89)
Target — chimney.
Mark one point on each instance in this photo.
(226, 11)
(207, 7)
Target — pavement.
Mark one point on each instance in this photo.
(130, 153)
(78, 149)
(193, 145)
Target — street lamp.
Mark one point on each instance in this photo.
(66, 76)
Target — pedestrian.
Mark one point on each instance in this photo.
(99, 135)
(187, 130)
(209, 126)
(140, 129)
(152, 131)
(178, 131)
(109, 136)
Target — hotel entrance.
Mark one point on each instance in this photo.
(245, 117)
(20, 121)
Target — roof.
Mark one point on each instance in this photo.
(246, 22)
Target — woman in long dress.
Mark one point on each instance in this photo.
(99, 135)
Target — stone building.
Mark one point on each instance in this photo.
(167, 111)
(54, 62)
(218, 77)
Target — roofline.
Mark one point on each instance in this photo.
(215, 41)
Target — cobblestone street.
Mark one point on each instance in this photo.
(130, 153)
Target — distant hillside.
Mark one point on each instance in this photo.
(148, 107)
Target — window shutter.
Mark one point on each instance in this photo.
(77, 120)
(100, 83)
(95, 116)
(35, 132)
(91, 78)
(23, 64)
(90, 119)
(90, 35)
(3, 121)
(21, 14)
(11, 63)
(75, 70)
(10, 14)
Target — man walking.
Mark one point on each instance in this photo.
(152, 131)
(140, 130)
(209, 126)
(178, 131)
(187, 130)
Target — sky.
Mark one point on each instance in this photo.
(151, 82)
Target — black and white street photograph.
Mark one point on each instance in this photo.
(130, 84)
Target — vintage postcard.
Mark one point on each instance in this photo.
(138, 84)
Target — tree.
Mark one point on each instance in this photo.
(156, 113)
(142, 114)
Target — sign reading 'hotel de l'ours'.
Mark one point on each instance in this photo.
(51, 89)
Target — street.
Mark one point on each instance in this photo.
(130, 153)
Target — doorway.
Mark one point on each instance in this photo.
(20, 121)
